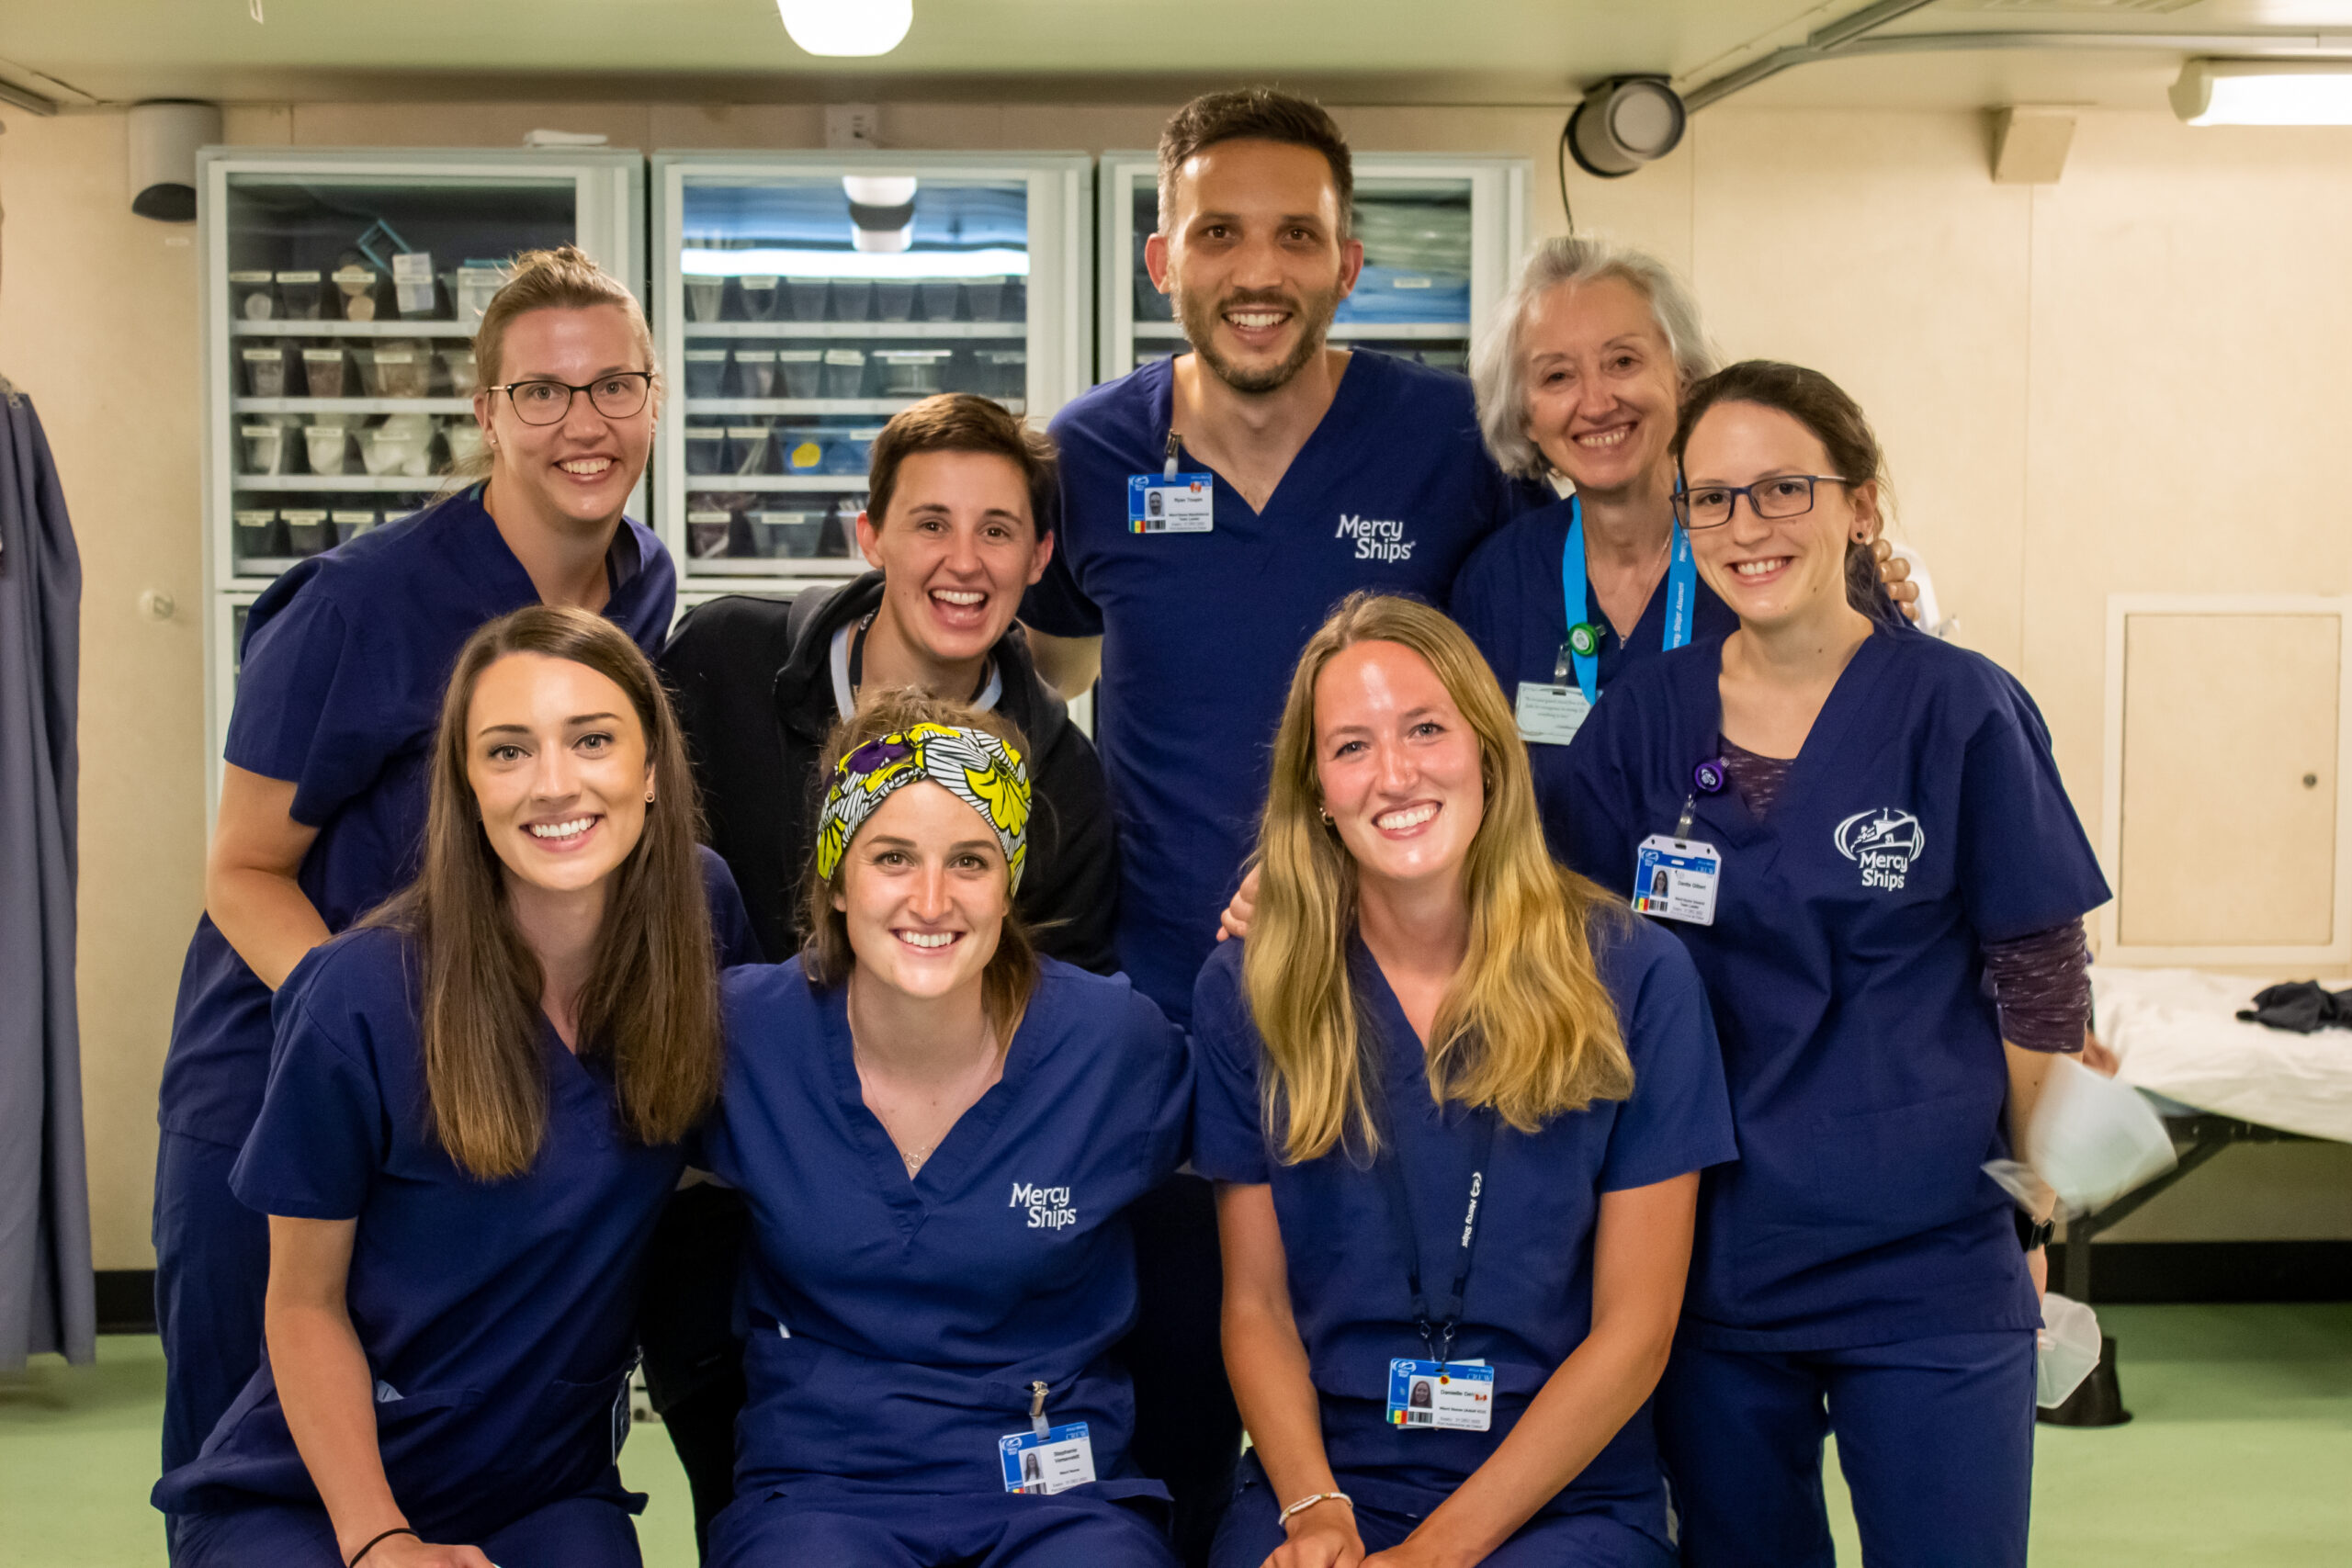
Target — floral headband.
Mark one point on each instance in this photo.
(971, 765)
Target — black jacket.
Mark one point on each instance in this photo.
(753, 683)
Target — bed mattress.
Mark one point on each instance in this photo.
(2177, 1034)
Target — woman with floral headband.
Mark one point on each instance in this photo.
(939, 1134)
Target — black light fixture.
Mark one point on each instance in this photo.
(1622, 123)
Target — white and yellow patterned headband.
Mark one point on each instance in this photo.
(970, 764)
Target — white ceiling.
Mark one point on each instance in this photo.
(1396, 50)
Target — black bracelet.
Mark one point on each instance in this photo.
(396, 1529)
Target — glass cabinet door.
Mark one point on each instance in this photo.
(1440, 236)
(346, 295)
(802, 302)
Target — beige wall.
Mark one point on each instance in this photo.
(2130, 381)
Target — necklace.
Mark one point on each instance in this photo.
(913, 1155)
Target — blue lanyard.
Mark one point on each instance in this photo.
(1681, 596)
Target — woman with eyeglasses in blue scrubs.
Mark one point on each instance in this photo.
(1866, 849)
(473, 1121)
(322, 794)
(940, 1136)
(1456, 1101)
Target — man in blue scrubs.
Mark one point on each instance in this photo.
(1214, 507)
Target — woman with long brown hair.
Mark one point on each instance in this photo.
(1455, 1105)
(473, 1119)
(323, 790)
(940, 1135)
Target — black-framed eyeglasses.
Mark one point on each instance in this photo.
(1783, 495)
(617, 396)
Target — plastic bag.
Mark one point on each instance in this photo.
(2092, 1140)
(2065, 1350)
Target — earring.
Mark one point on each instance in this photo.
(1327, 818)
(648, 798)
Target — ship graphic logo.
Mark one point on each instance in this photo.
(1883, 841)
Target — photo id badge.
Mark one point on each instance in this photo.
(1456, 1396)
(1060, 1460)
(1550, 716)
(1158, 504)
(1675, 879)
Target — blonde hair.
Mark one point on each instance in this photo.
(1527, 1029)
(565, 278)
(826, 956)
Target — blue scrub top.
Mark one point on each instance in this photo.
(1202, 631)
(347, 658)
(1923, 819)
(897, 1323)
(498, 1317)
(1528, 1301)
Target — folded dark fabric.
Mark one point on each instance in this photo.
(2302, 1007)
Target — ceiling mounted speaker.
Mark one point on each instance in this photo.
(163, 138)
(1623, 123)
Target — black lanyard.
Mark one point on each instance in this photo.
(1438, 1339)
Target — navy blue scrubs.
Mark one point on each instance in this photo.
(1201, 631)
(1856, 1270)
(1508, 598)
(497, 1316)
(897, 1323)
(1529, 1300)
(345, 660)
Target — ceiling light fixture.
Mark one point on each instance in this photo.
(847, 27)
(2263, 92)
(1622, 123)
(881, 211)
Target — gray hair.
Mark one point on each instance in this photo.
(1498, 367)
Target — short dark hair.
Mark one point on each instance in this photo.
(964, 422)
(1255, 114)
(1827, 410)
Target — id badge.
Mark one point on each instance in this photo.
(1550, 716)
(1183, 504)
(1040, 1467)
(1454, 1396)
(1675, 879)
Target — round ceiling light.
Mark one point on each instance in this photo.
(1623, 123)
(847, 27)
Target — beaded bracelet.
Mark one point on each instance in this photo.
(1306, 1502)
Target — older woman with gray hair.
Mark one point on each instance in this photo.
(1580, 378)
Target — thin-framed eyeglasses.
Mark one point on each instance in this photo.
(1782, 496)
(540, 401)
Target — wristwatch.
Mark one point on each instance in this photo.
(2033, 1235)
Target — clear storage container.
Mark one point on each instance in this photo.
(754, 372)
(706, 298)
(251, 297)
(984, 298)
(349, 525)
(265, 370)
(852, 300)
(323, 372)
(706, 449)
(786, 533)
(477, 283)
(845, 372)
(306, 532)
(759, 298)
(301, 295)
(357, 286)
(807, 298)
(802, 371)
(894, 300)
(326, 443)
(706, 533)
(457, 371)
(706, 369)
(748, 448)
(939, 298)
(911, 372)
(256, 533)
(265, 447)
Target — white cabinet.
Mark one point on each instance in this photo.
(2225, 806)
(1440, 234)
(341, 290)
(801, 300)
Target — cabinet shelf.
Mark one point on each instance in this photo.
(858, 329)
(355, 484)
(883, 406)
(1342, 331)
(354, 405)
(836, 484)
(282, 326)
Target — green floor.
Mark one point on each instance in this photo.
(2241, 1453)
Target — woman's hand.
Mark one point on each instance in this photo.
(1235, 921)
(1323, 1536)
(1895, 577)
(407, 1552)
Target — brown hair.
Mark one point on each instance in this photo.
(825, 954)
(1835, 421)
(1254, 114)
(650, 1006)
(1526, 1027)
(964, 422)
(564, 278)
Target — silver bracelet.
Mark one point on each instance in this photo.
(1306, 1502)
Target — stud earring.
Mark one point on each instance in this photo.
(648, 798)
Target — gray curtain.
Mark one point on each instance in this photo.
(45, 1301)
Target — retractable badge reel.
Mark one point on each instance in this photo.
(1046, 1459)
(1170, 502)
(1676, 875)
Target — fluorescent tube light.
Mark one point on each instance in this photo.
(789, 262)
(2260, 92)
(847, 27)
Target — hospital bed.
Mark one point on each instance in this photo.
(2215, 1081)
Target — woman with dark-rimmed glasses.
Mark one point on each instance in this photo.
(1860, 836)
(323, 797)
